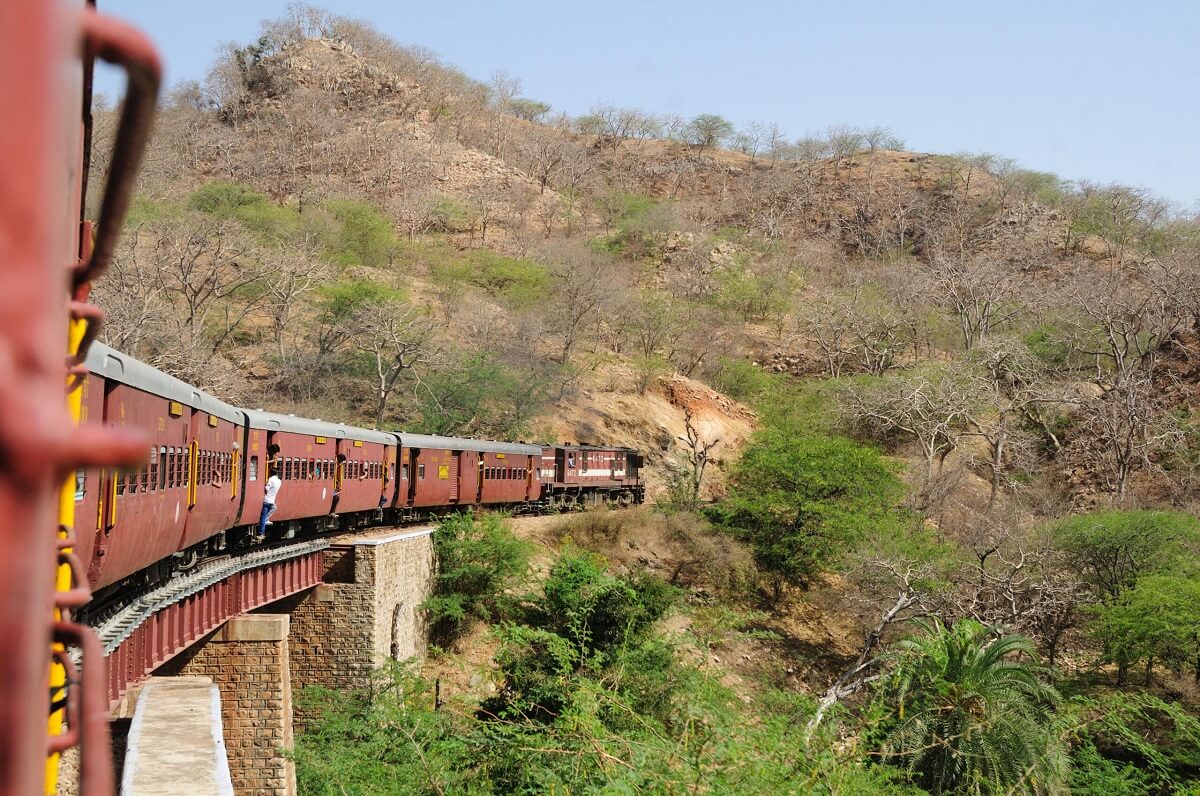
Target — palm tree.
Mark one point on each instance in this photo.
(968, 714)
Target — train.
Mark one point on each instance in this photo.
(200, 488)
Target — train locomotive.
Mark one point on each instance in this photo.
(200, 488)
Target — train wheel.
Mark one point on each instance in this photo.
(187, 559)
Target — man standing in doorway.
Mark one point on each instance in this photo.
(269, 498)
(339, 475)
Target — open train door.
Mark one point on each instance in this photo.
(560, 465)
(412, 454)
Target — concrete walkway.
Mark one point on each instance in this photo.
(175, 745)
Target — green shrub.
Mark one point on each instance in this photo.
(1111, 550)
(364, 236)
(742, 380)
(478, 561)
(801, 500)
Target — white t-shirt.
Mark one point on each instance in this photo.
(273, 484)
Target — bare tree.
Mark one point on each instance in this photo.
(585, 282)
(982, 293)
(1123, 320)
(1130, 424)
(697, 452)
(927, 406)
(859, 326)
(1010, 396)
(399, 338)
(294, 272)
(210, 267)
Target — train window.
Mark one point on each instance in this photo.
(392, 471)
(252, 470)
(80, 484)
(420, 472)
(404, 472)
(304, 469)
(583, 458)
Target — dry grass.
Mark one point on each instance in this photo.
(682, 548)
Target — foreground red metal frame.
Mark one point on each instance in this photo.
(175, 628)
(36, 219)
(46, 264)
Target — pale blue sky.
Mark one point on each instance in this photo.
(1097, 90)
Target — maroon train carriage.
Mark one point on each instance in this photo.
(448, 471)
(187, 490)
(581, 476)
(307, 463)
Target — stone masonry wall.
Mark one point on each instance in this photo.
(248, 660)
(364, 614)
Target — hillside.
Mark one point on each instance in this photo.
(881, 394)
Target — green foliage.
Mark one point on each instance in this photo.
(449, 215)
(638, 224)
(348, 232)
(269, 221)
(478, 560)
(801, 500)
(365, 236)
(742, 380)
(968, 713)
(1043, 186)
(1092, 774)
(708, 130)
(590, 701)
(528, 109)
(1161, 739)
(1048, 342)
(521, 284)
(598, 612)
(647, 725)
(483, 396)
(1156, 620)
(749, 295)
(1113, 549)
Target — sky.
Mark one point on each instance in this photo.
(1098, 89)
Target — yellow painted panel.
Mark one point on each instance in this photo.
(358, 443)
(176, 409)
(443, 471)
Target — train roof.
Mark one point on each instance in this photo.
(573, 446)
(461, 444)
(273, 421)
(115, 366)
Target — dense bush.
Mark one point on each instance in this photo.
(1112, 549)
(478, 561)
(802, 500)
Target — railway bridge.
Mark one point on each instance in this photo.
(248, 635)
